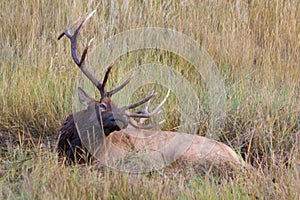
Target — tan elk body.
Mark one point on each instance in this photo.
(122, 135)
(163, 148)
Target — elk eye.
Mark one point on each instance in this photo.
(103, 106)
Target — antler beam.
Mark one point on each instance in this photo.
(74, 52)
(80, 61)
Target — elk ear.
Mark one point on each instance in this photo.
(84, 98)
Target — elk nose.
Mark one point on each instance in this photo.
(116, 122)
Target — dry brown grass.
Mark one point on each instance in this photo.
(255, 45)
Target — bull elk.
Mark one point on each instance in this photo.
(123, 134)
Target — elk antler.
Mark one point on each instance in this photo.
(144, 114)
(74, 51)
(80, 62)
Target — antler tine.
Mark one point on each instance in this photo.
(161, 103)
(135, 124)
(141, 102)
(114, 91)
(74, 52)
(106, 75)
(144, 113)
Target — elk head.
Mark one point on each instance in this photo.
(103, 112)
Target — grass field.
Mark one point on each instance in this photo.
(255, 45)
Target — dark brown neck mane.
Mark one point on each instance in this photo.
(69, 146)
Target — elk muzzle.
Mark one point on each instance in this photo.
(109, 116)
(113, 121)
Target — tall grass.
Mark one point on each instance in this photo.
(255, 45)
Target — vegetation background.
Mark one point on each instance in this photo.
(255, 45)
